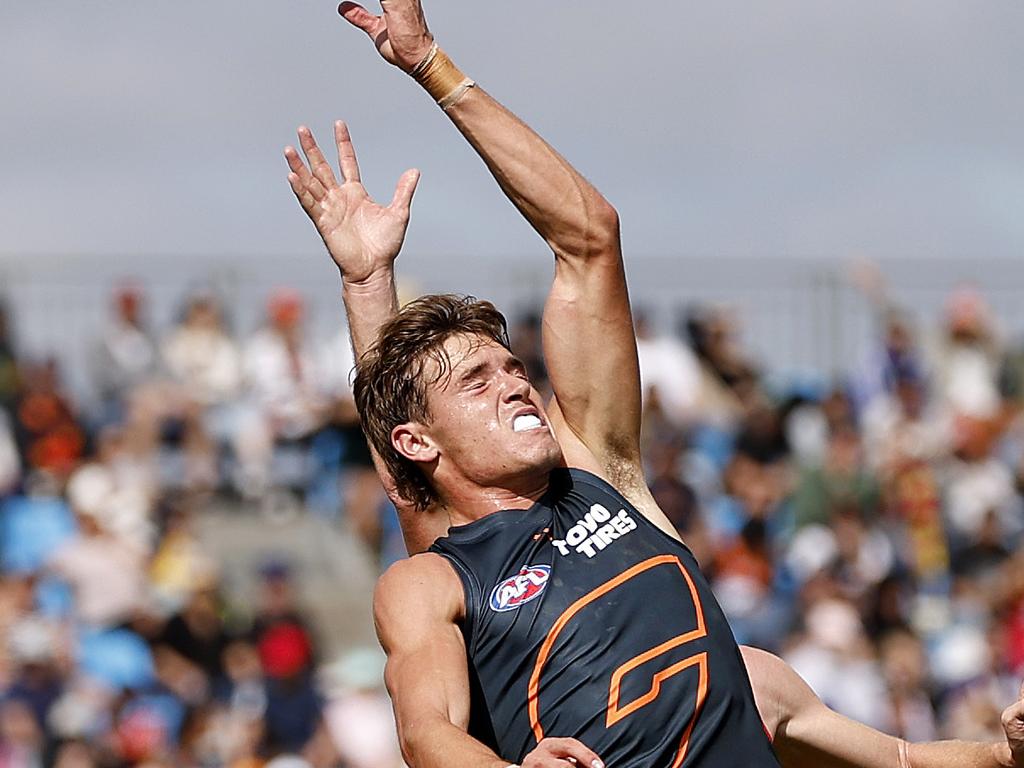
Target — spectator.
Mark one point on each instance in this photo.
(676, 498)
(200, 356)
(40, 655)
(280, 370)
(905, 668)
(196, 634)
(358, 714)
(104, 569)
(282, 652)
(968, 357)
(842, 484)
(46, 427)
(125, 355)
(896, 356)
(180, 567)
(979, 484)
(668, 371)
(281, 379)
(727, 378)
(900, 428)
(836, 659)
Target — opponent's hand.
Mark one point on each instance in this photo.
(400, 33)
(362, 237)
(561, 753)
(1013, 725)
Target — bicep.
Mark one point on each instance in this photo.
(415, 613)
(590, 351)
(430, 682)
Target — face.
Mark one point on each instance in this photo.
(203, 314)
(487, 424)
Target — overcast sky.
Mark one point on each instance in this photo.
(821, 127)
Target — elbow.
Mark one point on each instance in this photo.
(607, 216)
(408, 753)
(413, 740)
(593, 236)
(407, 743)
(603, 233)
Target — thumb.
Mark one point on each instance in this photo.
(358, 16)
(405, 190)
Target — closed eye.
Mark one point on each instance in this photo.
(518, 368)
(474, 378)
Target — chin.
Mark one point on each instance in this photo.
(547, 458)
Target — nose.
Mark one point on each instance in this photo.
(516, 388)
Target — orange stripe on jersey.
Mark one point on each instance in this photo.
(702, 694)
(616, 714)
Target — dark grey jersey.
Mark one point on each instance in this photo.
(585, 620)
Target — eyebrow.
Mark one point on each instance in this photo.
(473, 372)
(481, 367)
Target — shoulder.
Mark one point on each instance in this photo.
(624, 479)
(421, 589)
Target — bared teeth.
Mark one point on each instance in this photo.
(526, 422)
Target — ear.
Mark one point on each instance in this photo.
(412, 441)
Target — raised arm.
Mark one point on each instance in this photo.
(417, 606)
(807, 734)
(589, 345)
(364, 239)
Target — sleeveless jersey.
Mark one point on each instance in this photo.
(585, 620)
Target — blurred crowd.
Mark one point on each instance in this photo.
(866, 528)
(119, 644)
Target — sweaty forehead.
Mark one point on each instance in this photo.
(460, 353)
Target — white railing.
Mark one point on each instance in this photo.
(799, 316)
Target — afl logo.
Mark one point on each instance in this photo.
(521, 588)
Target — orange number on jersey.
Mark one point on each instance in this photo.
(616, 710)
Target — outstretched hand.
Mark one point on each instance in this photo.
(362, 236)
(400, 33)
(1013, 725)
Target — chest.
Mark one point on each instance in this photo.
(588, 569)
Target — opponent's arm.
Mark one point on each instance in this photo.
(417, 605)
(589, 343)
(364, 240)
(807, 734)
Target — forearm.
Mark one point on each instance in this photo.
(810, 735)
(439, 744)
(369, 304)
(564, 208)
(824, 739)
(853, 745)
(958, 754)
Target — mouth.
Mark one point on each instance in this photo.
(527, 420)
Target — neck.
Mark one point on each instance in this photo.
(473, 502)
